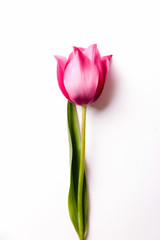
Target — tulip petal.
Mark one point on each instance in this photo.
(72, 53)
(61, 62)
(105, 63)
(109, 57)
(81, 78)
(92, 52)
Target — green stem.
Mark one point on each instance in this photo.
(81, 175)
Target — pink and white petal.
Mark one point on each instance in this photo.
(69, 58)
(61, 62)
(105, 63)
(72, 53)
(99, 89)
(81, 78)
(92, 52)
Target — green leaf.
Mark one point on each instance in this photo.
(75, 148)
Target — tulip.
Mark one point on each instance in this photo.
(82, 77)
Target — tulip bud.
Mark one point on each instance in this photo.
(82, 77)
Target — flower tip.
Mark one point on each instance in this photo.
(109, 57)
(76, 50)
(56, 57)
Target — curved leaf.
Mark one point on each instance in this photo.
(75, 149)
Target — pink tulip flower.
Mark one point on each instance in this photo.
(82, 77)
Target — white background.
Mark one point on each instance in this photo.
(123, 126)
